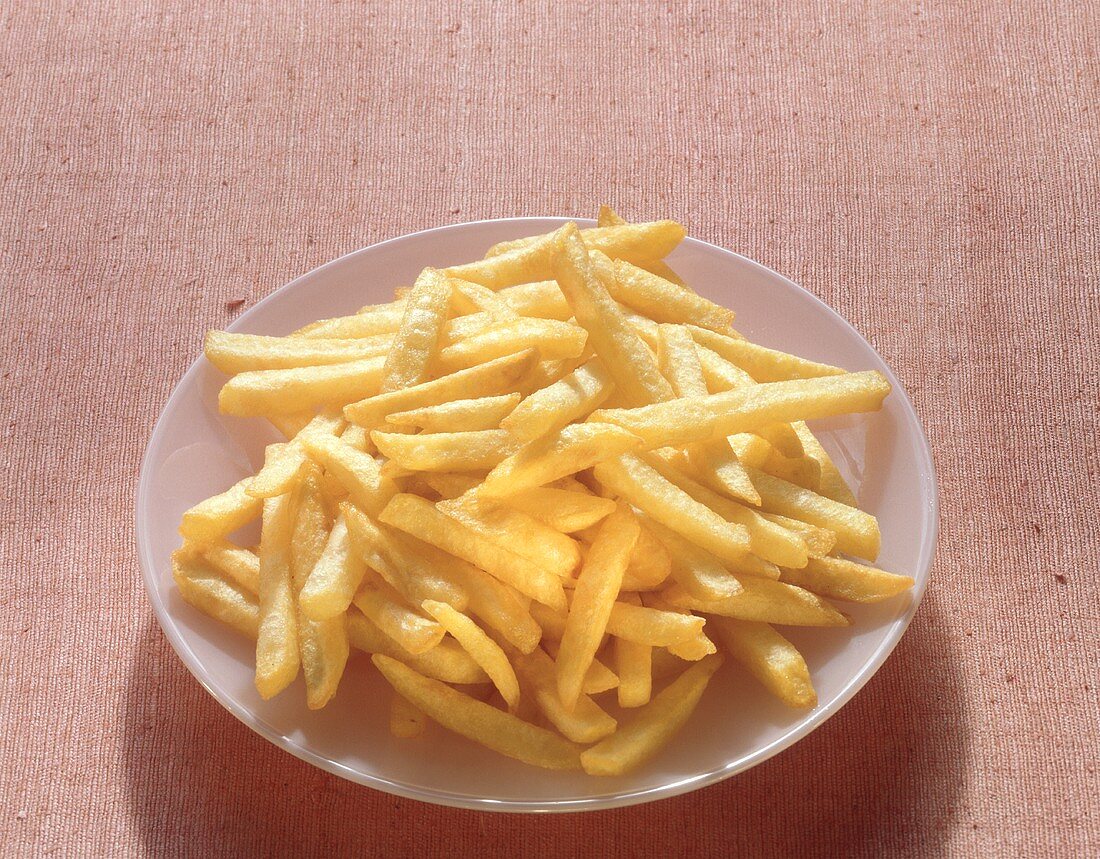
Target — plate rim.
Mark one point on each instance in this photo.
(798, 731)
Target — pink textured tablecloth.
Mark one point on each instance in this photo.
(930, 170)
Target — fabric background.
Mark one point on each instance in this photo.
(930, 170)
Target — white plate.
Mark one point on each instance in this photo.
(195, 452)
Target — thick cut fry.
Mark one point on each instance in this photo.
(236, 564)
(450, 485)
(682, 421)
(406, 721)
(671, 506)
(679, 361)
(553, 407)
(644, 625)
(767, 601)
(461, 327)
(554, 340)
(663, 301)
(221, 514)
(720, 374)
(585, 723)
(207, 590)
(292, 424)
(358, 472)
(495, 377)
(383, 321)
(267, 392)
(847, 580)
(598, 678)
(417, 340)
(782, 438)
(335, 577)
(857, 533)
(696, 570)
(447, 661)
(715, 464)
(277, 658)
(831, 483)
(561, 509)
(650, 563)
(522, 265)
(459, 415)
(571, 449)
(634, 664)
(597, 586)
(383, 605)
(283, 470)
(770, 658)
(484, 651)
(421, 519)
(628, 360)
(483, 723)
(542, 299)
(653, 726)
(636, 242)
(819, 541)
(447, 451)
(238, 353)
(763, 364)
(517, 532)
(469, 298)
(691, 649)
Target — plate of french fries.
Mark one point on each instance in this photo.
(537, 514)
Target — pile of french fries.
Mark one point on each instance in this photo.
(546, 491)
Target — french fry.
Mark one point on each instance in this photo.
(334, 579)
(494, 377)
(642, 242)
(696, 570)
(690, 649)
(461, 327)
(598, 678)
(608, 217)
(857, 533)
(238, 565)
(359, 438)
(551, 457)
(358, 472)
(644, 625)
(447, 661)
(597, 586)
(561, 509)
(522, 265)
(289, 425)
(819, 541)
(585, 723)
(481, 413)
(542, 299)
(553, 407)
(715, 464)
(483, 723)
(770, 658)
(484, 651)
(554, 340)
(763, 364)
(421, 519)
(379, 602)
(634, 664)
(417, 340)
(628, 361)
(663, 301)
(468, 298)
(720, 374)
(846, 580)
(782, 438)
(266, 392)
(450, 485)
(406, 721)
(277, 659)
(650, 563)
(767, 601)
(653, 725)
(221, 514)
(211, 593)
(679, 361)
(682, 421)
(831, 483)
(281, 472)
(446, 451)
(238, 353)
(384, 319)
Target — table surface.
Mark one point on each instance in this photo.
(930, 170)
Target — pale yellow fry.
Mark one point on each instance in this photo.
(668, 504)
(277, 658)
(782, 438)
(715, 464)
(447, 661)
(380, 602)
(654, 724)
(767, 601)
(459, 415)
(696, 570)
(637, 242)
(484, 651)
(421, 519)
(494, 377)
(417, 340)
(549, 409)
(221, 514)
(241, 566)
(608, 217)
(846, 580)
(650, 563)
(682, 421)
(597, 586)
(335, 577)
(281, 471)
(447, 451)
(406, 721)
(554, 341)
(207, 590)
(626, 358)
(720, 374)
(831, 483)
(585, 723)
(664, 301)
(386, 319)
(657, 628)
(468, 298)
(292, 424)
(751, 450)
(516, 531)
(310, 531)
(461, 327)
(551, 457)
(266, 392)
(819, 541)
(483, 723)
(598, 678)
(450, 485)
(562, 509)
(770, 658)
(238, 353)
(857, 533)
(542, 299)
(357, 471)
(803, 470)
(522, 265)
(679, 361)
(550, 621)
(691, 649)
(763, 364)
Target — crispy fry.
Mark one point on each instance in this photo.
(378, 601)
(266, 392)
(446, 451)
(406, 721)
(277, 659)
(636, 242)
(585, 723)
(542, 299)
(357, 471)
(469, 298)
(657, 628)
(554, 340)
(679, 361)
(715, 464)
(561, 509)
(236, 564)
(237, 353)
(764, 365)
(385, 320)
(696, 570)
(484, 651)
(553, 407)
(221, 514)
(831, 483)
(846, 580)
(447, 661)
(634, 664)
(522, 265)
(282, 471)
(417, 340)
(334, 579)
(481, 413)
(207, 590)
(663, 301)
(764, 600)
(770, 658)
